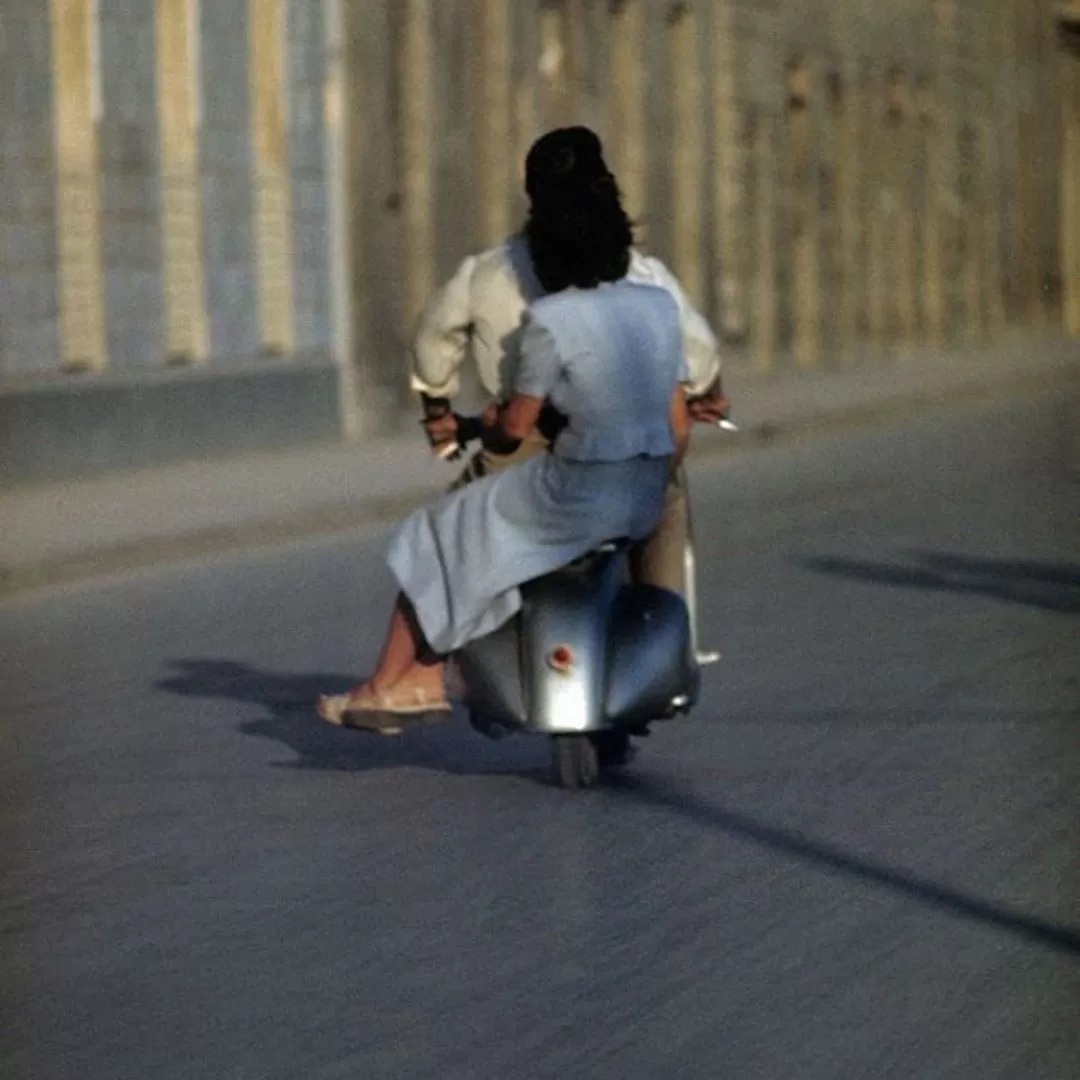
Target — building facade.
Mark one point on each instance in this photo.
(218, 218)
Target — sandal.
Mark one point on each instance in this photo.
(356, 709)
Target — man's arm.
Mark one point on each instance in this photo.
(442, 337)
(437, 353)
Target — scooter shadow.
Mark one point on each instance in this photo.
(439, 742)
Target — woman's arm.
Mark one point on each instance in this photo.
(504, 427)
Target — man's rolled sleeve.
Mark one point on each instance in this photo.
(685, 378)
(702, 355)
(442, 336)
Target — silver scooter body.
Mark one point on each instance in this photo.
(589, 653)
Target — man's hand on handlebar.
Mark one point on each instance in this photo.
(448, 433)
(441, 431)
(441, 428)
(711, 407)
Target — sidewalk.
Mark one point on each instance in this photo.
(63, 532)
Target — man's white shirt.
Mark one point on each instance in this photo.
(479, 311)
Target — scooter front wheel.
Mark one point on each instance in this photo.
(574, 760)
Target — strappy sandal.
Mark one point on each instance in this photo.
(363, 708)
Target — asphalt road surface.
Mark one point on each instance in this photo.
(859, 858)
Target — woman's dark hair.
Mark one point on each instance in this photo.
(577, 230)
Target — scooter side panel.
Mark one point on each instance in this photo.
(650, 656)
(490, 670)
(570, 608)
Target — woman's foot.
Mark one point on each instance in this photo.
(347, 710)
(419, 691)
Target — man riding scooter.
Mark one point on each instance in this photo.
(479, 312)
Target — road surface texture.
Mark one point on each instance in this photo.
(859, 858)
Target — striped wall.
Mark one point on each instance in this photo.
(830, 178)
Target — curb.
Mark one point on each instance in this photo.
(372, 512)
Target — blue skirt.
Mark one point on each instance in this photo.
(461, 560)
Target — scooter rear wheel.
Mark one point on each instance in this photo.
(613, 749)
(574, 761)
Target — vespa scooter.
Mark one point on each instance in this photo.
(590, 660)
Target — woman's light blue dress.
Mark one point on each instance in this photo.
(610, 359)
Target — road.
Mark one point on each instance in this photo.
(858, 858)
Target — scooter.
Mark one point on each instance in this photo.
(591, 660)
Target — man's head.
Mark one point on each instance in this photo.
(577, 231)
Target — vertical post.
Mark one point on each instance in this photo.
(584, 79)
(805, 219)
(730, 170)
(945, 197)
(1028, 216)
(179, 118)
(1009, 93)
(344, 258)
(763, 328)
(76, 118)
(972, 195)
(995, 138)
(494, 165)
(903, 224)
(526, 50)
(627, 96)
(1070, 169)
(1048, 153)
(273, 218)
(847, 107)
(879, 210)
(417, 165)
(556, 64)
(687, 165)
(973, 188)
(932, 221)
(990, 211)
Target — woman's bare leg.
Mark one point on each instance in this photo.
(405, 654)
(407, 671)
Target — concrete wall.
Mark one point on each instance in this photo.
(831, 179)
(226, 169)
(130, 189)
(29, 313)
(69, 406)
(309, 181)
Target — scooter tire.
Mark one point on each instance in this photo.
(613, 749)
(574, 760)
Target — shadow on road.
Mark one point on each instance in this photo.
(1049, 586)
(451, 748)
(1057, 936)
(448, 746)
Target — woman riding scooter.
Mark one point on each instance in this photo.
(608, 354)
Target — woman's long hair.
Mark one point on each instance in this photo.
(577, 231)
